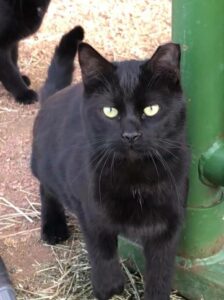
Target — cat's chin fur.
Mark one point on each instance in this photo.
(132, 155)
(122, 175)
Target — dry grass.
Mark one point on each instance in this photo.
(119, 29)
(10, 220)
(68, 277)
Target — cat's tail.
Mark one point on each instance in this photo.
(62, 65)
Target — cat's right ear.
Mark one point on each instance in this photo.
(96, 70)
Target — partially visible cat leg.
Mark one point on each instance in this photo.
(160, 260)
(53, 220)
(15, 56)
(12, 80)
(107, 277)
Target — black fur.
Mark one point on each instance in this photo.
(126, 175)
(18, 20)
(62, 65)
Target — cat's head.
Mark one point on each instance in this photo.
(31, 13)
(133, 108)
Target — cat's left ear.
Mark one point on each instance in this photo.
(167, 56)
(96, 70)
(166, 60)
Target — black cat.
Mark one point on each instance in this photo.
(18, 19)
(113, 151)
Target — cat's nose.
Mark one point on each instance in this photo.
(131, 137)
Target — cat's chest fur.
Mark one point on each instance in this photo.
(136, 198)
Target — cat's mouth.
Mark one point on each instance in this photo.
(132, 153)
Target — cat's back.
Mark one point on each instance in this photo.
(58, 125)
(60, 113)
(58, 139)
(10, 27)
(19, 19)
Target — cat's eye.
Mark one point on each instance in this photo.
(151, 110)
(110, 112)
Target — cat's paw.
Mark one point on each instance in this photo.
(26, 80)
(28, 97)
(55, 233)
(106, 289)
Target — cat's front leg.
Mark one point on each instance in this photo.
(53, 221)
(160, 260)
(107, 277)
(12, 80)
(15, 56)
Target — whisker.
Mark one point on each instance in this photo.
(173, 143)
(166, 168)
(112, 167)
(154, 163)
(92, 160)
(165, 149)
(106, 159)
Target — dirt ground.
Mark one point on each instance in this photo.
(118, 29)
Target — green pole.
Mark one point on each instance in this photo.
(199, 27)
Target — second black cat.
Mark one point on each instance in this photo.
(18, 19)
(112, 150)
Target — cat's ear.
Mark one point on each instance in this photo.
(94, 67)
(166, 56)
(165, 62)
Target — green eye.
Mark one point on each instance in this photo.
(151, 110)
(110, 112)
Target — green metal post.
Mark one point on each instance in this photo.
(198, 25)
